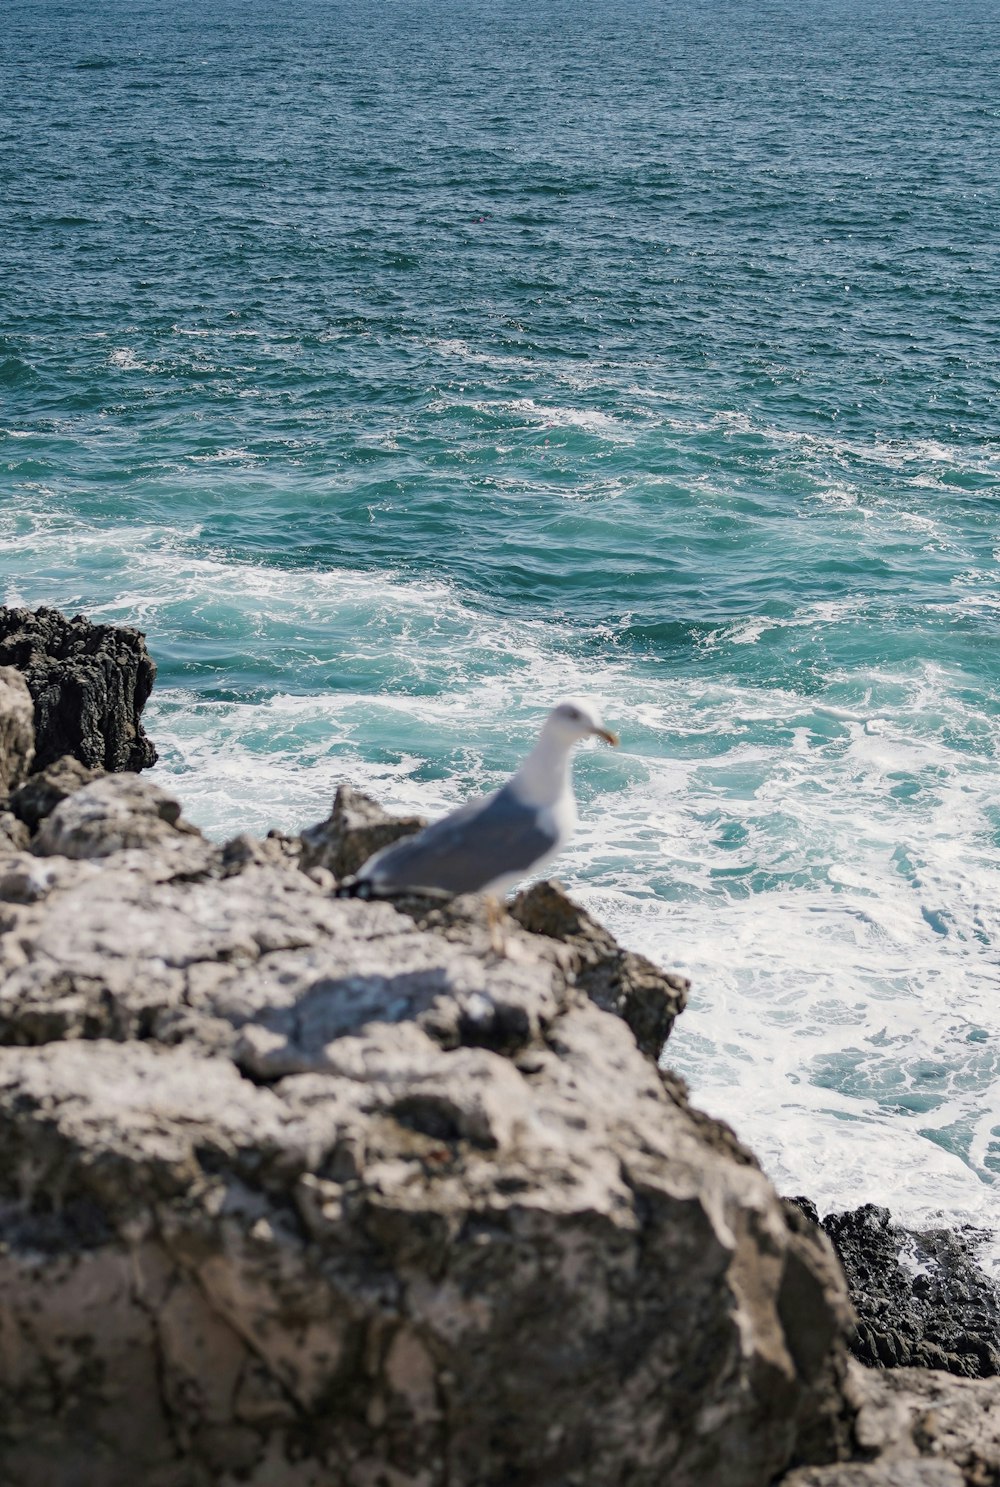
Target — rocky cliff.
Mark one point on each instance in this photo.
(88, 683)
(302, 1191)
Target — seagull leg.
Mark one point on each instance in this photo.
(495, 913)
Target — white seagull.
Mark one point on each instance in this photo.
(489, 844)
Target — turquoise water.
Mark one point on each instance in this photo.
(401, 369)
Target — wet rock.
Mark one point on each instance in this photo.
(17, 729)
(921, 1298)
(312, 1191)
(89, 684)
(618, 980)
(356, 827)
(49, 787)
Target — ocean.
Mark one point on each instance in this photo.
(401, 369)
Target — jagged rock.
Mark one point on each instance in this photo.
(921, 1298)
(47, 788)
(302, 1192)
(296, 1191)
(245, 851)
(113, 813)
(618, 980)
(14, 835)
(916, 1428)
(17, 729)
(714, 1131)
(356, 827)
(89, 684)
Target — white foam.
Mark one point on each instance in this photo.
(128, 360)
(826, 870)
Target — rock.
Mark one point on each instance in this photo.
(111, 814)
(880, 1474)
(44, 790)
(618, 980)
(715, 1132)
(14, 835)
(89, 684)
(916, 1428)
(244, 851)
(296, 1191)
(920, 1296)
(17, 729)
(356, 827)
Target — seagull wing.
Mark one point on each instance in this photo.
(466, 851)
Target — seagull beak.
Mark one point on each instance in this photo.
(607, 735)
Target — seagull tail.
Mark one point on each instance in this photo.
(355, 888)
(367, 891)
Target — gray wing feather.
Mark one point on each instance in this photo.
(468, 849)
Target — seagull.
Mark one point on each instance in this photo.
(489, 844)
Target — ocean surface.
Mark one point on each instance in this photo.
(402, 368)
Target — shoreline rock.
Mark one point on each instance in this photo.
(921, 1298)
(344, 1186)
(89, 684)
(329, 1193)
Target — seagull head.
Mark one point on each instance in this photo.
(574, 719)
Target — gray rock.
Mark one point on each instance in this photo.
(17, 729)
(881, 1474)
(41, 792)
(14, 835)
(89, 684)
(618, 980)
(916, 1428)
(113, 813)
(305, 1191)
(356, 827)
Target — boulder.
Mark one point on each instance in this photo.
(356, 827)
(89, 684)
(618, 980)
(113, 812)
(17, 729)
(41, 792)
(316, 1192)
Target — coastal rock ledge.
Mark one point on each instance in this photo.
(301, 1190)
(306, 1192)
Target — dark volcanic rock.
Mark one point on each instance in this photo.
(920, 1296)
(617, 980)
(89, 684)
